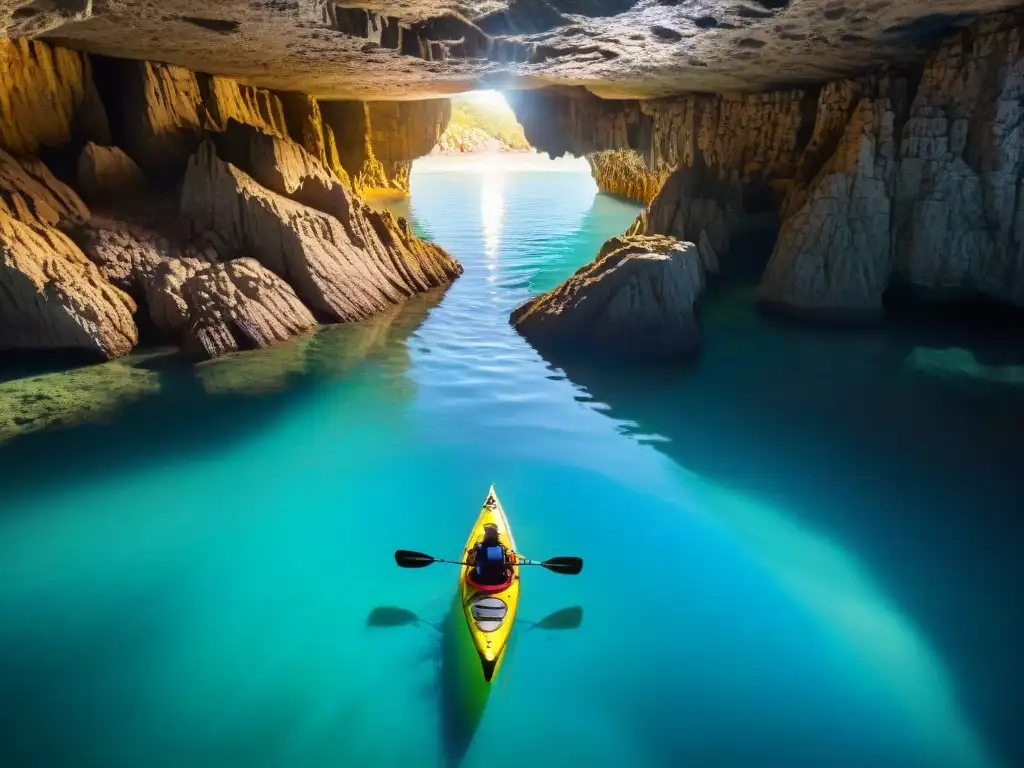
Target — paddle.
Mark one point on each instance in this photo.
(568, 565)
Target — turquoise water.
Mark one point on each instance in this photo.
(803, 550)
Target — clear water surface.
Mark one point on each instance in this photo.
(802, 550)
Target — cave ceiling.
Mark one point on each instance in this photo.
(429, 48)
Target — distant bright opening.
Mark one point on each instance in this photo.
(484, 136)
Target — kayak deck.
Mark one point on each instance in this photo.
(490, 611)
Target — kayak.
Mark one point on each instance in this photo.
(490, 611)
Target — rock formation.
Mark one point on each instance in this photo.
(326, 259)
(55, 298)
(902, 177)
(623, 172)
(240, 305)
(617, 48)
(107, 173)
(47, 98)
(166, 240)
(635, 301)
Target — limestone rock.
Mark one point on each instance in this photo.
(55, 298)
(106, 173)
(306, 126)
(47, 98)
(284, 167)
(958, 207)
(623, 172)
(320, 257)
(240, 305)
(636, 300)
(33, 195)
(833, 258)
(146, 265)
(166, 109)
(377, 141)
(427, 48)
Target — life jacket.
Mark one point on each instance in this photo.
(490, 558)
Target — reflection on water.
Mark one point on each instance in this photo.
(492, 212)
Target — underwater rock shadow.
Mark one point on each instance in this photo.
(200, 410)
(850, 414)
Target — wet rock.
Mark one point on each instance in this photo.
(72, 397)
(107, 173)
(635, 301)
(55, 298)
(240, 305)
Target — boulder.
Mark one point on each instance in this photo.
(635, 301)
(107, 173)
(55, 298)
(146, 265)
(240, 305)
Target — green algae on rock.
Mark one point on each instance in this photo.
(72, 397)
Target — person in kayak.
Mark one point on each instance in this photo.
(490, 559)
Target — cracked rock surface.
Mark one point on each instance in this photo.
(617, 48)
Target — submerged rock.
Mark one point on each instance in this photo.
(240, 305)
(72, 397)
(55, 298)
(636, 300)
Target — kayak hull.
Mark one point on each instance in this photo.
(490, 612)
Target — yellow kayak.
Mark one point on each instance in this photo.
(490, 610)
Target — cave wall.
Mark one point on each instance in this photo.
(906, 177)
(216, 215)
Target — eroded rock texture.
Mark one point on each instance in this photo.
(922, 189)
(901, 177)
(326, 260)
(425, 48)
(53, 297)
(240, 305)
(623, 172)
(377, 141)
(47, 99)
(634, 301)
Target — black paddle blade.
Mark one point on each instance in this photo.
(567, 565)
(409, 559)
(390, 616)
(567, 618)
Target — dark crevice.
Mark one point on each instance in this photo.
(221, 26)
(109, 77)
(928, 29)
